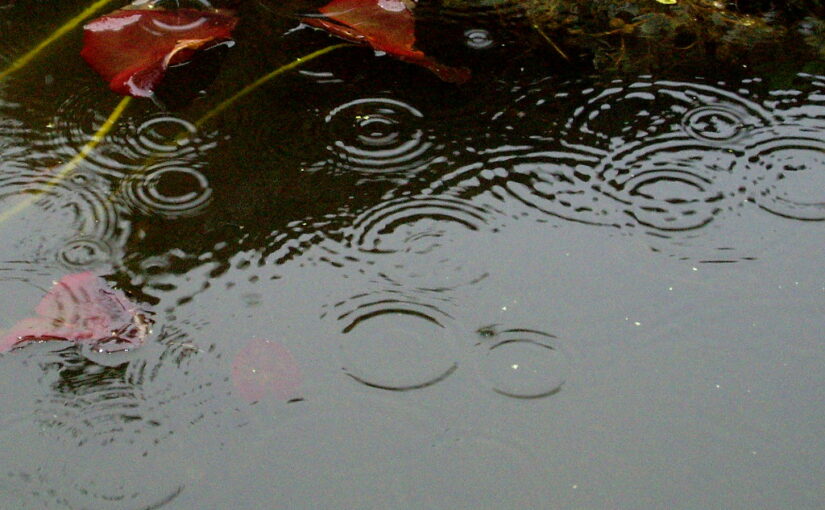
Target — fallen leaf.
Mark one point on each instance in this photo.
(384, 25)
(82, 308)
(132, 48)
(263, 368)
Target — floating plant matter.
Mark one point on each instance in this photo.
(384, 25)
(132, 48)
(82, 308)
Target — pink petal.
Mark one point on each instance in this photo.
(79, 308)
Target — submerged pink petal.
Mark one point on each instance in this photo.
(264, 368)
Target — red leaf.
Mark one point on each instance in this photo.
(82, 308)
(385, 25)
(132, 48)
(264, 367)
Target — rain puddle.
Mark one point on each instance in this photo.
(361, 286)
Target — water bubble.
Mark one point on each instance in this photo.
(523, 363)
(478, 38)
(169, 190)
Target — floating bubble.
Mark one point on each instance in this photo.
(478, 39)
(523, 363)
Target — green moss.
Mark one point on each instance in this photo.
(649, 35)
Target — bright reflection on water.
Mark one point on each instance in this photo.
(529, 292)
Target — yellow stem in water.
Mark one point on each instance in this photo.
(67, 167)
(223, 105)
(60, 32)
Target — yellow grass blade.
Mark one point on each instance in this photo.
(60, 32)
(70, 165)
(223, 105)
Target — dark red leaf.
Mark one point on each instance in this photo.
(264, 367)
(82, 308)
(385, 25)
(132, 48)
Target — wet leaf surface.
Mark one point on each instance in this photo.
(132, 48)
(82, 308)
(384, 25)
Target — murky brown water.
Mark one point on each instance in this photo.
(530, 291)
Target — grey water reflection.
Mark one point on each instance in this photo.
(508, 283)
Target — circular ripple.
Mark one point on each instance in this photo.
(76, 205)
(168, 190)
(412, 224)
(88, 196)
(789, 162)
(161, 136)
(523, 363)
(84, 253)
(623, 112)
(76, 411)
(418, 242)
(396, 344)
(557, 184)
(715, 123)
(73, 125)
(669, 185)
(378, 135)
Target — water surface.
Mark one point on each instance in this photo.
(534, 290)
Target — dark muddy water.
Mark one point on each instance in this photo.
(529, 291)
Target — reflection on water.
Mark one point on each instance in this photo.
(433, 256)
